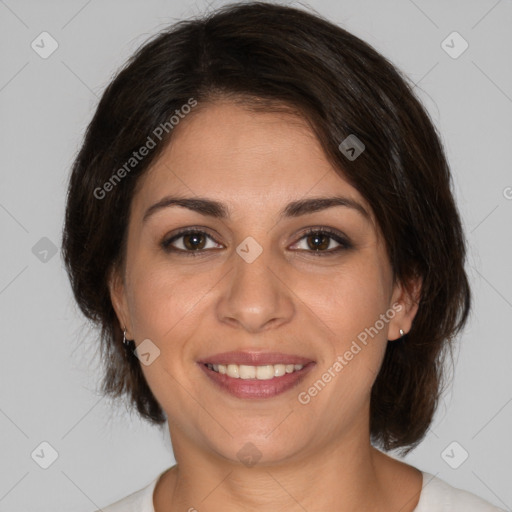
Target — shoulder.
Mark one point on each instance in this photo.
(138, 501)
(440, 496)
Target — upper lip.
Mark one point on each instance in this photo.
(251, 358)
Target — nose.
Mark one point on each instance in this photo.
(256, 295)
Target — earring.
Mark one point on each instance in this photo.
(401, 333)
(126, 342)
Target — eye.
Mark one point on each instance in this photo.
(194, 241)
(318, 240)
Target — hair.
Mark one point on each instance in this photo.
(269, 57)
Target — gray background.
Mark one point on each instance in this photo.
(48, 365)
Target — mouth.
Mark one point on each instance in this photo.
(264, 372)
(232, 373)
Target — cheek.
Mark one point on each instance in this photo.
(164, 301)
(349, 299)
(348, 308)
(166, 308)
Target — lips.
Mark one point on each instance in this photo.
(254, 358)
(253, 387)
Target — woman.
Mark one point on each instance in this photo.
(261, 222)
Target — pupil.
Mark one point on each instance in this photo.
(194, 245)
(316, 239)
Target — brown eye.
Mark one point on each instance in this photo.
(318, 241)
(194, 241)
(188, 241)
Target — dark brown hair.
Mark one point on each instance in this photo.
(282, 56)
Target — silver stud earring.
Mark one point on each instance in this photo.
(125, 341)
(401, 333)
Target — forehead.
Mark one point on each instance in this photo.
(248, 159)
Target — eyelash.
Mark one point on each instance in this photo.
(332, 234)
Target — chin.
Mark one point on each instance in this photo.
(251, 450)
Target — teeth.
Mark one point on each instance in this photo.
(247, 372)
(279, 370)
(233, 371)
(265, 372)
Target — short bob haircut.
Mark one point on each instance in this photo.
(269, 58)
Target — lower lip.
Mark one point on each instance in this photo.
(254, 388)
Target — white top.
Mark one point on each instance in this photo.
(436, 496)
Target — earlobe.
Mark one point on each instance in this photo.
(408, 297)
(117, 297)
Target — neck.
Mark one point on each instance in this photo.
(347, 477)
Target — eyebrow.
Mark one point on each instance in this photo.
(215, 209)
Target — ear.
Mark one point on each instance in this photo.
(405, 301)
(118, 297)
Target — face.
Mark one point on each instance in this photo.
(308, 285)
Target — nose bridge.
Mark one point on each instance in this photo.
(256, 295)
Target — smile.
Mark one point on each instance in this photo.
(265, 372)
(265, 381)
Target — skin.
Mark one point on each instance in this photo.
(314, 457)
